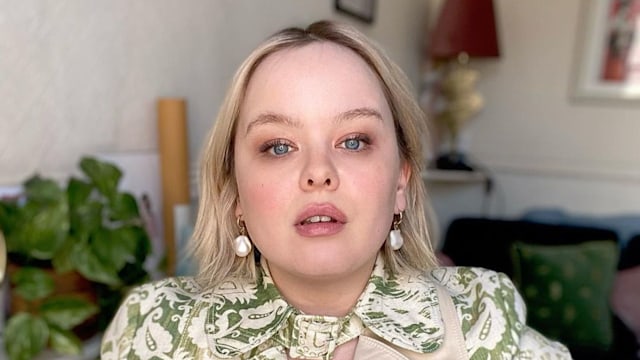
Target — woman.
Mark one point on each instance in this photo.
(311, 237)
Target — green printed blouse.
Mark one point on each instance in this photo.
(176, 319)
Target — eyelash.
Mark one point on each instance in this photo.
(360, 137)
(270, 145)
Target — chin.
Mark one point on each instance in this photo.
(325, 264)
(322, 258)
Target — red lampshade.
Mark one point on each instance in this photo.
(465, 26)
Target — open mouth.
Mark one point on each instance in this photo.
(320, 220)
(317, 219)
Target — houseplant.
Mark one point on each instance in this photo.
(87, 230)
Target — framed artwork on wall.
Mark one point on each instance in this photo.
(608, 55)
(363, 10)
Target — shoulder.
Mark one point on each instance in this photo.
(165, 293)
(166, 306)
(173, 297)
(162, 293)
(184, 288)
(492, 314)
(459, 280)
(489, 308)
(470, 287)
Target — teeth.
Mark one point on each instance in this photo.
(317, 219)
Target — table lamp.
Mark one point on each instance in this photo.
(465, 29)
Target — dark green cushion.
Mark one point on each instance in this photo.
(566, 289)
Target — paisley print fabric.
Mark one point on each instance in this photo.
(176, 319)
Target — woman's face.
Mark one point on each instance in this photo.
(317, 163)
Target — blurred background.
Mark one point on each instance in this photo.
(549, 131)
(84, 77)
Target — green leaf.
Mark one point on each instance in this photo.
(67, 312)
(9, 220)
(43, 191)
(105, 176)
(90, 265)
(8, 216)
(64, 341)
(124, 207)
(39, 222)
(64, 260)
(41, 228)
(115, 247)
(85, 219)
(78, 191)
(25, 336)
(32, 283)
(85, 213)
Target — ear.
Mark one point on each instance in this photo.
(403, 182)
(238, 208)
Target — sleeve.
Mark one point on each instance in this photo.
(117, 341)
(534, 345)
(493, 317)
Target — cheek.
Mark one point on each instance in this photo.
(374, 179)
(262, 193)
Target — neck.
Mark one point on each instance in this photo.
(322, 296)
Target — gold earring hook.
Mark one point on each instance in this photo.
(397, 220)
(241, 226)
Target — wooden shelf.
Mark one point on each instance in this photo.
(453, 176)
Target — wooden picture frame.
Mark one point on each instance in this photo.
(608, 55)
(363, 10)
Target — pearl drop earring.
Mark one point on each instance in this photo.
(242, 244)
(395, 236)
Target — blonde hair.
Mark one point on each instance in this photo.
(216, 225)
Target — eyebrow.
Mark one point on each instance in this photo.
(359, 112)
(271, 118)
(275, 118)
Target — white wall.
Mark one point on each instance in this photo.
(82, 77)
(543, 147)
(79, 77)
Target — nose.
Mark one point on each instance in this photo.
(319, 173)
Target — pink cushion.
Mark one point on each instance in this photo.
(444, 260)
(625, 298)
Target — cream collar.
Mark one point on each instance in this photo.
(248, 318)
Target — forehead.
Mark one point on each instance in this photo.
(316, 56)
(315, 79)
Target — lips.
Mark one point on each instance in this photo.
(320, 220)
(321, 213)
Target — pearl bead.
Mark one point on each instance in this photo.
(395, 239)
(242, 245)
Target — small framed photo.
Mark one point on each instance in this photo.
(363, 10)
(609, 56)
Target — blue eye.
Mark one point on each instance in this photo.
(352, 144)
(277, 147)
(356, 142)
(280, 149)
